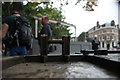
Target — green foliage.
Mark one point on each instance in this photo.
(89, 39)
(8, 7)
(59, 31)
(87, 6)
(32, 9)
(82, 36)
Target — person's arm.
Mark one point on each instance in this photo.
(4, 30)
(93, 42)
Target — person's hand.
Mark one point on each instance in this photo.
(2, 47)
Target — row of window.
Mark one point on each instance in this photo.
(107, 45)
(105, 26)
(107, 31)
(107, 37)
(104, 31)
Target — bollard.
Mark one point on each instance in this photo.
(100, 52)
(43, 41)
(85, 53)
(66, 48)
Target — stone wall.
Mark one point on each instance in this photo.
(75, 47)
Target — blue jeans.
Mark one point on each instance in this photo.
(18, 51)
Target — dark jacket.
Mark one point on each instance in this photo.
(95, 44)
(46, 29)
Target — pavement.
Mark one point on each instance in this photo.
(56, 70)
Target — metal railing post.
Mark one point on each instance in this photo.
(43, 42)
(66, 48)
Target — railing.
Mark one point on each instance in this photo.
(44, 43)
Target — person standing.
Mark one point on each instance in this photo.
(46, 29)
(11, 35)
(95, 44)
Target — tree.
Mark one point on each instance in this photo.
(20, 8)
(8, 7)
(59, 31)
(87, 6)
(35, 9)
(83, 36)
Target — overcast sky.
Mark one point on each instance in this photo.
(106, 11)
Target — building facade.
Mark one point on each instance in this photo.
(107, 34)
(119, 19)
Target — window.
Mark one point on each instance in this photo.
(112, 44)
(102, 37)
(111, 30)
(104, 31)
(111, 37)
(108, 31)
(108, 37)
(103, 44)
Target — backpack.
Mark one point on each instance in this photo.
(18, 35)
(23, 32)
